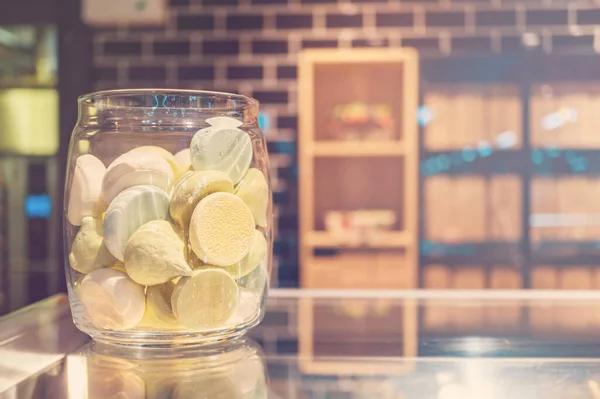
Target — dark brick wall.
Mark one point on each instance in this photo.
(251, 46)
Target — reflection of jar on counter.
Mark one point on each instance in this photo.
(168, 217)
(232, 371)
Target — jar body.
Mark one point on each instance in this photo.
(167, 217)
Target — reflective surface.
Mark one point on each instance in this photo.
(441, 345)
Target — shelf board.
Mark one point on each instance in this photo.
(358, 148)
(389, 239)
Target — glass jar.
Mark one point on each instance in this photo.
(235, 370)
(167, 217)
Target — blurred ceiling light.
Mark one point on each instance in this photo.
(530, 39)
(559, 118)
(506, 139)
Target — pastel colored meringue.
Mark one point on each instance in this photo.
(136, 168)
(224, 121)
(256, 255)
(131, 209)
(159, 312)
(88, 251)
(112, 300)
(170, 158)
(221, 229)
(225, 149)
(254, 190)
(155, 254)
(206, 299)
(183, 159)
(85, 196)
(191, 188)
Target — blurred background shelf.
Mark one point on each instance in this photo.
(357, 149)
(384, 239)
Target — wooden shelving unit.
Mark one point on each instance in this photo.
(344, 175)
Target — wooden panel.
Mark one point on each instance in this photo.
(360, 270)
(456, 209)
(507, 316)
(467, 115)
(472, 315)
(544, 200)
(436, 314)
(574, 109)
(541, 314)
(572, 315)
(505, 196)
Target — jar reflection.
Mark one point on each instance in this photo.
(232, 371)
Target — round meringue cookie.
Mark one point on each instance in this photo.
(191, 188)
(225, 149)
(170, 158)
(205, 300)
(224, 121)
(136, 168)
(183, 159)
(254, 190)
(128, 211)
(159, 312)
(85, 196)
(257, 254)
(112, 300)
(221, 229)
(88, 251)
(155, 254)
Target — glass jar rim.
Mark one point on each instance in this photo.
(239, 102)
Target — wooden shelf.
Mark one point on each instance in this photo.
(389, 239)
(357, 148)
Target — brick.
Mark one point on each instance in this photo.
(514, 44)
(287, 122)
(245, 22)
(271, 97)
(589, 16)
(315, 43)
(287, 72)
(286, 346)
(294, 21)
(221, 47)
(471, 44)
(269, 47)
(287, 223)
(377, 42)
(269, 2)
(196, 72)
(495, 18)
(195, 22)
(394, 19)
(422, 43)
(178, 47)
(567, 43)
(220, 2)
(546, 17)
(123, 48)
(344, 20)
(105, 73)
(245, 72)
(147, 73)
(440, 19)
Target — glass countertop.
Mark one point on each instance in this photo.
(330, 344)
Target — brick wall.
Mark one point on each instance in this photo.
(251, 46)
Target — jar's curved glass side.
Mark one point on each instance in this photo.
(120, 212)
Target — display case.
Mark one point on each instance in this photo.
(358, 158)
